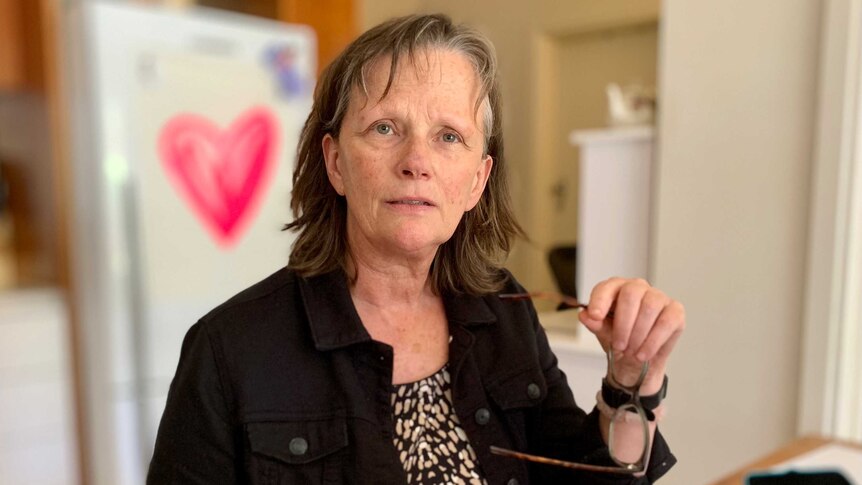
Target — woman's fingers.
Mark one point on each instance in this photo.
(644, 322)
(664, 334)
(603, 296)
(601, 328)
(626, 311)
(651, 306)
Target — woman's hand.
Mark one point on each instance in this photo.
(643, 326)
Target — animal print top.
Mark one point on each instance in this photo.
(431, 444)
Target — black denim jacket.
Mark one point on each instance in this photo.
(282, 384)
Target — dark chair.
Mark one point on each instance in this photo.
(563, 261)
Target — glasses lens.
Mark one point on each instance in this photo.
(629, 437)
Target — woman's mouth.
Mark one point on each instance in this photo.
(414, 202)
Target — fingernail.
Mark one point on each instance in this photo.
(641, 356)
(619, 345)
(596, 313)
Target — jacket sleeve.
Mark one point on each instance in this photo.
(567, 433)
(196, 440)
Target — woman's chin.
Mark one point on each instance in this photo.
(416, 245)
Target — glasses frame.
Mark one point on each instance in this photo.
(633, 405)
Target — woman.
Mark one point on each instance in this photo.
(383, 353)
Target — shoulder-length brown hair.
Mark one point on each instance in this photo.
(469, 262)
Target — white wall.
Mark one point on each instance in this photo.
(737, 105)
(737, 116)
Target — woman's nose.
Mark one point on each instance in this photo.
(416, 159)
(414, 172)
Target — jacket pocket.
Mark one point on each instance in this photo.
(307, 451)
(520, 389)
(517, 397)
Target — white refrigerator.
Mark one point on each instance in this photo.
(184, 125)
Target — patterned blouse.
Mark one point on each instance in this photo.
(431, 444)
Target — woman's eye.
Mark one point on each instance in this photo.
(383, 129)
(451, 138)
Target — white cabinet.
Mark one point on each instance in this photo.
(37, 428)
(614, 203)
(578, 353)
(613, 240)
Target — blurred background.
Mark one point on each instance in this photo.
(710, 147)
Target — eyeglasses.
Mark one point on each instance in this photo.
(632, 407)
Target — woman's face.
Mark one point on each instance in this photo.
(411, 164)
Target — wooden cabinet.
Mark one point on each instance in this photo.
(11, 57)
(21, 65)
(29, 151)
(334, 21)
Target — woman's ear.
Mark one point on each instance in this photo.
(333, 169)
(483, 172)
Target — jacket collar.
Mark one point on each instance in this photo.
(335, 323)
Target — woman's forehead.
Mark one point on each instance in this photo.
(418, 65)
(428, 72)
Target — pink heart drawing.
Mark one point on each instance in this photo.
(221, 173)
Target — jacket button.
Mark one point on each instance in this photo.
(513, 481)
(482, 416)
(298, 446)
(533, 391)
